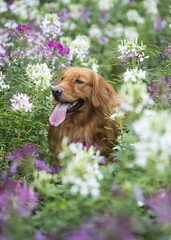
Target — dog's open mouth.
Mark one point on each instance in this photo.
(64, 109)
(74, 106)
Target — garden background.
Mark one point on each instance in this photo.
(86, 196)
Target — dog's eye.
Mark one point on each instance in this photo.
(78, 81)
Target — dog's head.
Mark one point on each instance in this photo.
(79, 90)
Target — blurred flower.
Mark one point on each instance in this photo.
(105, 5)
(135, 97)
(131, 52)
(20, 102)
(134, 75)
(131, 32)
(114, 31)
(43, 165)
(3, 6)
(17, 157)
(31, 3)
(116, 190)
(104, 40)
(64, 14)
(85, 15)
(10, 24)
(39, 236)
(19, 9)
(160, 89)
(103, 17)
(133, 16)
(95, 31)
(79, 47)
(4, 56)
(138, 195)
(19, 196)
(2, 83)
(25, 199)
(151, 7)
(74, 8)
(51, 26)
(117, 114)
(128, 2)
(40, 75)
(167, 51)
(161, 205)
(154, 145)
(159, 23)
(91, 63)
(82, 171)
(22, 31)
(104, 228)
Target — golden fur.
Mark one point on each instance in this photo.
(88, 122)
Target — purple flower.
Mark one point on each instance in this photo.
(25, 199)
(138, 195)
(4, 56)
(64, 14)
(115, 160)
(43, 165)
(116, 190)
(16, 196)
(18, 155)
(103, 17)
(14, 168)
(106, 227)
(22, 31)
(85, 15)
(161, 205)
(167, 51)
(39, 236)
(104, 40)
(159, 24)
(129, 57)
(161, 89)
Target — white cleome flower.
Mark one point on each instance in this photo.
(134, 75)
(79, 47)
(20, 102)
(135, 97)
(40, 75)
(105, 5)
(82, 172)
(20, 9)
(3, 6)
(151, 7)
(129, 49)
(95, 32)
(154, 145)
(10, 24)
(31, 3)
(133, 16)
(91, 63)
(131, 32)
(114, 31)
(3, 86)
(51, 25)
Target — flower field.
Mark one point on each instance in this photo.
(87, 196)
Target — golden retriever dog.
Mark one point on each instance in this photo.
(84, 100)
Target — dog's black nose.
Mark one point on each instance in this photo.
(57, 92)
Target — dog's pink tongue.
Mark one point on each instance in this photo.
(59, 114)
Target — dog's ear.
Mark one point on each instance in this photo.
(102, 92)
